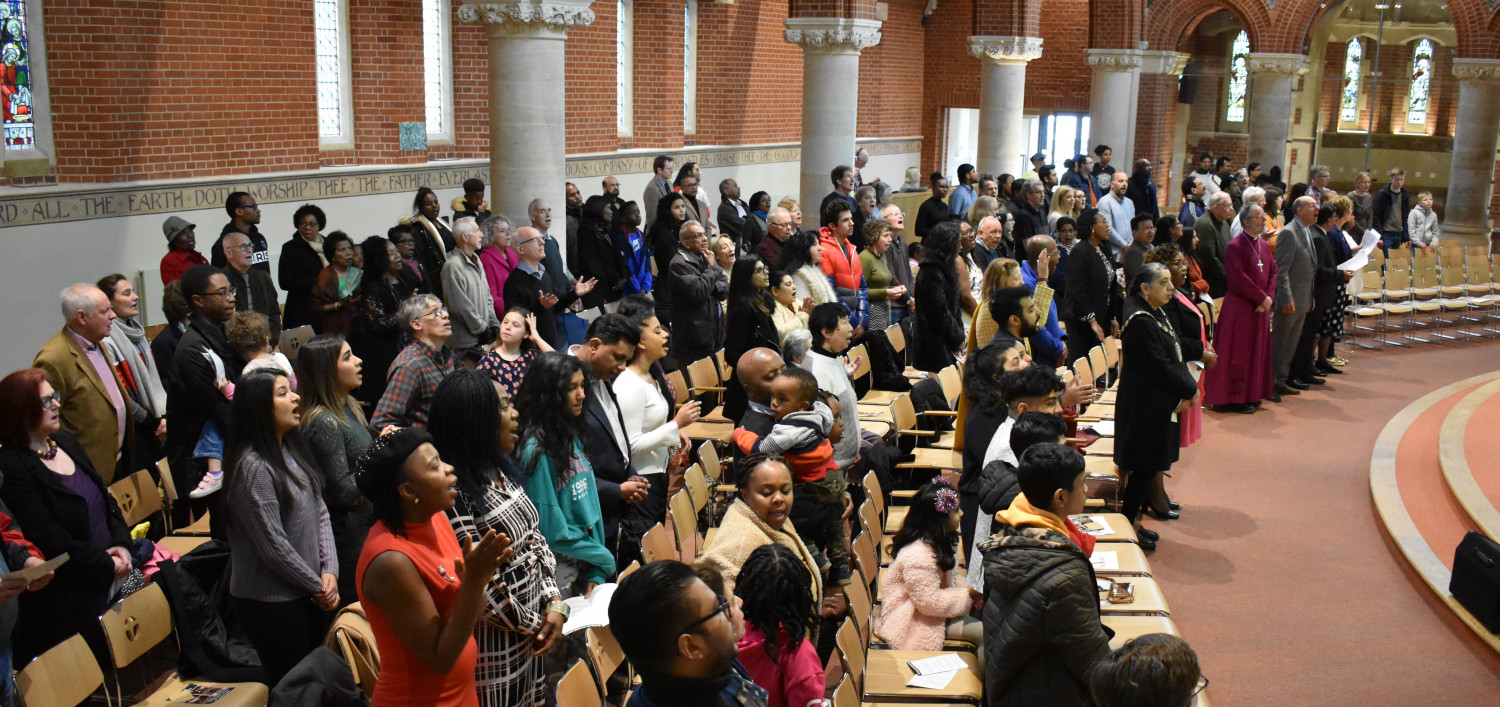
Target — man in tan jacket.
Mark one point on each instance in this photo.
(94, 404)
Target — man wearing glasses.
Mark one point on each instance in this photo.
(529, 286)
(254, 290)
(204, 359)
(679, 634)
(778, 228)
(419, 368)
(244, 214)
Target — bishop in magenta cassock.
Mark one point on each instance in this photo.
(1243, 338)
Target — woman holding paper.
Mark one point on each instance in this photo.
(473, 427)
(61, 502)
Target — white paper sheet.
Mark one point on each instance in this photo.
(1362, 256)
(936, 681)
(1105, 560)
(945, 663)
(1103, 428)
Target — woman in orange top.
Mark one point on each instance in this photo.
(421, 593)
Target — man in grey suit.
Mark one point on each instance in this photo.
(660, 186)
(1295, 269)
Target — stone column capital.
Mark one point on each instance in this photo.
(1282, 64)
(539, 19)
(1005, 50)
(1115, 59)
(1476, 69)
(1160, 62)
(832, 35)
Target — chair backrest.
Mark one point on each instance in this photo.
(679, 387)
(863, 546)
(657, 544)
(703, 374)
(64, 676)
(1397, 276)
(168, 484)
(1099, 363)
(874, 492)
(904, 414)
(136, 624)
(1452, 266)
(352, 637)
(846, 694)
(1478, 267)
(1084, 371)
(852, 652)
(708, 457)
(1477, 252)
(685, 526)
(1377, 257)
(870, 516)
(697, 487)
(861, 354)
(1399, 257)
(1374, 281)
(858, 594)
(629, 570)
(952, 384)
(137, 496)
(1424, 269)
(1111, 351)
(897, 337)
(724, 369)
(577, 688)
(606, 654)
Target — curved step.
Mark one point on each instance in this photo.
(1386, 492)
(1454, 444)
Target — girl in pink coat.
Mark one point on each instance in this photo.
(923, 601)
(779, 618)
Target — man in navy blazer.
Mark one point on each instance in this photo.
(607, 347)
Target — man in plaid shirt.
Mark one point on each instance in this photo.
(421, 366)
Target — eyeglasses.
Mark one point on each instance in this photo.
(226, 293)
(532, 240)
(246, 248)
(249, 206)
(761, 269)
(439, 312)
(52, 401)
(1202, 683)
(721, 608)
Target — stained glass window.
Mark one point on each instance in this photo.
(623, 63)
(15, 77)
(1239, 78)
(1421, 80)
(434, 72)
(1349, 103)
(690, 67)
(328, 20)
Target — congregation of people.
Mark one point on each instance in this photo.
(479, 428)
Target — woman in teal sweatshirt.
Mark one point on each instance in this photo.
(558, 477)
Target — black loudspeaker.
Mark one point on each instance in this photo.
(1476, 579)
(1187, 88)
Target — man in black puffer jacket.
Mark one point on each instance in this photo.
(1041, 616)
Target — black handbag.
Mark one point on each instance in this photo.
(1476, 579)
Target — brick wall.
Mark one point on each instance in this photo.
(152, 90)
(890, 75)
(385, 45)
(592, 122)
(747, 97)
(658, 57)
(1156, 125)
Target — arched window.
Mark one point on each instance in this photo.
(15, 78)
(1421, 78)
(624, 65)
(331, 50)
(690, 68)
(1349, 101)
(1239, 78)
(437, 70)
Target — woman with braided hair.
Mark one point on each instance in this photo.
(780, 619)
(923, 601)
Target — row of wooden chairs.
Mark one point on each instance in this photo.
(1450, 295)
(142, 497)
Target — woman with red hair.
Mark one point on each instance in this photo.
(59, 499)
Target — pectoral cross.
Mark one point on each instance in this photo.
(1260, 265)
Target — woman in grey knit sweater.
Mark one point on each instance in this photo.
(284, 568)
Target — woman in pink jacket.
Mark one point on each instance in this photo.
(779, 618)
(923, 601)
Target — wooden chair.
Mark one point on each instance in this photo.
(629, 570)
(881, 675)
(1149, 600)
(658, 544)
(866, 558)
(138, 623)
(577, 687)
(351, 637)
(1129, 558)
(168, 491)
(679, 387)
(685, 527)
(604, 653)
(137, 496)
(64, 676)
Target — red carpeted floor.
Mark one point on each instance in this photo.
(1278, 572)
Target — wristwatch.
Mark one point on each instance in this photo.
(560, 607)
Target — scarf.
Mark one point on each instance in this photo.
(1022, 514)
(135, 350)
(817, 284)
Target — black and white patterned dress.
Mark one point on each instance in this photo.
(508, 671)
